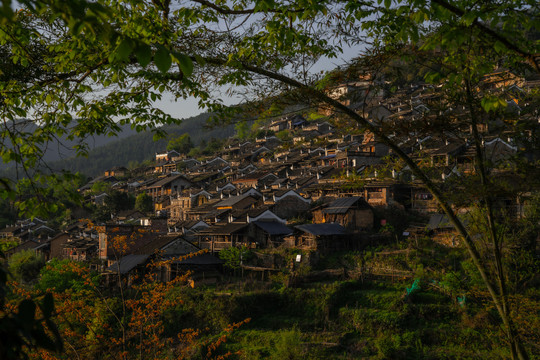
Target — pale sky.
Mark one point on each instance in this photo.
(187, 108)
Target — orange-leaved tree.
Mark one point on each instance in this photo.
(98, 321)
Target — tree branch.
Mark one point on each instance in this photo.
(531, 58)
(430, 185)
(227, 11)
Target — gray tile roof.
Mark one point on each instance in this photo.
(322, 229)
(167, 180)
(226, 229)
(342, 205)
(273, 227)
(128, 263)
(232, 200)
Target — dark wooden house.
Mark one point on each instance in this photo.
(353, 213)
(268, 233)
(322, 237)
(219, 237)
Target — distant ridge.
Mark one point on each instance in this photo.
(140, 147)
(59, 149)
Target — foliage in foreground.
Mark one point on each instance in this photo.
(114, 322)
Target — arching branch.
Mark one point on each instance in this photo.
(227, 11)
(532, 58)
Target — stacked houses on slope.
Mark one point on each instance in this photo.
(316, 192)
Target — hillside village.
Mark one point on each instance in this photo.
(325, 188)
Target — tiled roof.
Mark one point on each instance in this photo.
(342, 205)
(273, 227)
(232, 200)
(155, 245)
(224, 229)
(167, 181)
(322, 229)
(127, 263)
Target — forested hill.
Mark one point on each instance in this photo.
(140, 147)
(60, 148)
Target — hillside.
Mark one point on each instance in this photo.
(140, 147)
(62, 148)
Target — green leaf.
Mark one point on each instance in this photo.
(469, 18)
(499, 47)
(143, 54)
(124, 50)
(163, 60)
(185, 63)
(200, 60)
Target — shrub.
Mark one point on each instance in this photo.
(288, 345)
(61, 275)
(26, 265)
(234, 256)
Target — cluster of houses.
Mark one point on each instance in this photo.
(317, 192)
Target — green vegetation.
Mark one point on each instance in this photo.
(62, 275)
(25, 329)
(182, 144)
(25, 265)
(235, 256)
(380, 303)
(144, 203)
(7, 244)
(349, 319)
